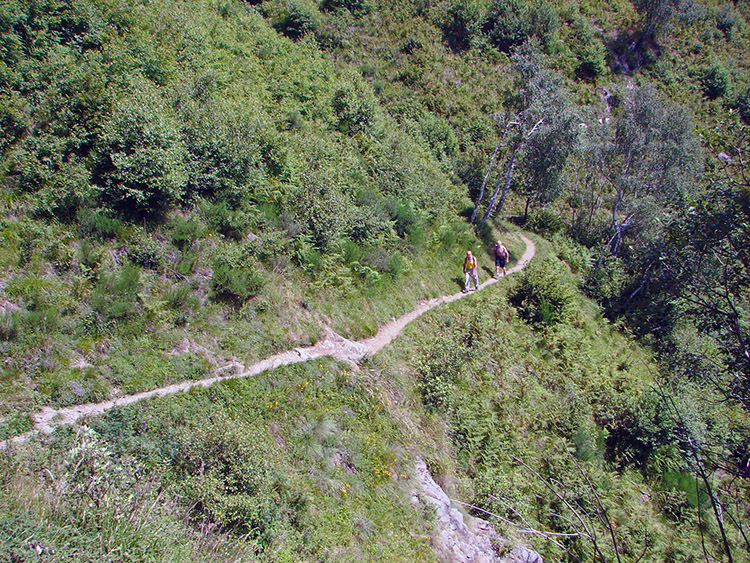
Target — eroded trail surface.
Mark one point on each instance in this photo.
(332, 345)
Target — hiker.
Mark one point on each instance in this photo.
(470, 270)
(501, 258)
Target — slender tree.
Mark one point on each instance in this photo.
(539, 132)
(650, 157)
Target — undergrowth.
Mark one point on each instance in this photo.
(314, 461)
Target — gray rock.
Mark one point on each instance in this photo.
(460, 538)
(522, 555)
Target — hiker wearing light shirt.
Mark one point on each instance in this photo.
(470, 271)
(501, 258)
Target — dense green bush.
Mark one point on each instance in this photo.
(294, 19)
(593, 59)
(461, 23)
(715, 81)
(239, 489)
(440, 135)
(145, 250)
(101, 222)
(115, 295)
(323, 210)
(576, 256)
(236, 276)
(544, 296)
(743, 105)
(545, 222)
(727, 19)
(141, 170)
(354, 107)
(185, 231)
(438, 371)
(230, 221)
(510, 23)
(606, 280)
(224, 142)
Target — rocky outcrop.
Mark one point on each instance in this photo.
(460, 538)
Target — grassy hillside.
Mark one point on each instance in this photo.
(189, 183)
(187, 173)
(313, 462)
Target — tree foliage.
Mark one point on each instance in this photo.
(650, 155)
(540, 130)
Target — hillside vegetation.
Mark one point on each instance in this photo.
(187, 183)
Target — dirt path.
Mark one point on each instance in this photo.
(334, 345)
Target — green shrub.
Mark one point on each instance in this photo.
(405, 217)
(576, 256)
(68, 190)
(378, 259)
(357, 7)
(545, 222)
(323, 209)
(116, 294)
(229, 479)
(89, 257)
(593, 60)
(543, 296)
(409, 47)
(306, 255)
(589, 440)
(232, 222)
(510, 23)
(439, 135)
(141, 168)
(11, 118)
(354, 106)
(462, 23)
(743, 105)
(349, 250)
(185, 231)
(145, 250)
(181, 297)
(191, 366)
(606, 280)
(99, 223)
(369, 276)
(41, 301)
(715, 81)
(438, 370)
(727, 17)
(293, 18)
(224, 142)
(235, 277)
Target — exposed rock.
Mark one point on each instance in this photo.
(8, 307)
(522, 555)
(457, 537)
(80, 362)
(460, 538)
(187, 346)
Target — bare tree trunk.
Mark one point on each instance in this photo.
(508, 174)
(484, 183)
(615, 240)
(613, 244)
(526, 210)
(509, 167)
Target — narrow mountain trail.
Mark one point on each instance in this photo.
(333, 345)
